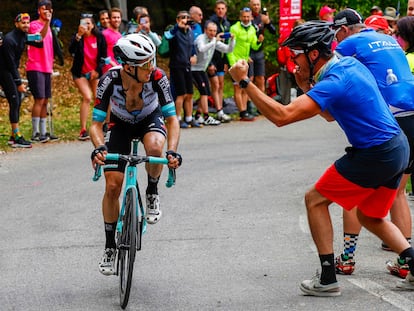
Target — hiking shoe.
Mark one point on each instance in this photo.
(398, 268)
(184, 125)
(211, 121)
(245, 116)
(313, 287)
(20, 142)
(107, 263)
(153, 214)
(83, 135)
(223, 118)
(11, 140)
(407, 283)
(344, 265)
(52, 137)
(35, 138)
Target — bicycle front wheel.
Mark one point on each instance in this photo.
(127, 247)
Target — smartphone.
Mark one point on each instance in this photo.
(142, 20)
(34, 37)
(226, 35)
(84, 22)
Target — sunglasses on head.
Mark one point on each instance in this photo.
(183, 17)
(86, 15)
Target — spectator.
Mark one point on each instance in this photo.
(391, 15)
(196, 18)
(205, 45)
(39, 68)
(219, 63)
(245, 35)
(182, 56)
(112, 34)
(103, 17)
(286, 69)
(367, 176)
(257, 66)
(133, 23)
(410, 7)
(376, 10)
(356, 40)
(10, 53)
(144, 27)
(326, 13)
(88, 48)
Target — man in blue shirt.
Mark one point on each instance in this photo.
(368, 175)
(383, 56)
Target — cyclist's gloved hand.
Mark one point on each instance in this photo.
(176, 160)
(98, 150)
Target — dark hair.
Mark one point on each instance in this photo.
(406, 31)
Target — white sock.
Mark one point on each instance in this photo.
(35, 125)
(42, 124)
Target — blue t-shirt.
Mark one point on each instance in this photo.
(347, 90)
(380, 52)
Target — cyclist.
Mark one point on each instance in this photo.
(368, 175)
(138, 95)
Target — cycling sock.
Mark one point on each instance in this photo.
(407, 255)
(16, 133)
(152, 187)
(42, 125)
(328, 275)
(189, 119)
(205, 115)
(350, 243)
(35, 125)
(110, 234)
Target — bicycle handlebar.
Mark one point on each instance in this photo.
(134, 160)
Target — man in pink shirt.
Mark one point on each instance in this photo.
(112, 35)
(39, 68)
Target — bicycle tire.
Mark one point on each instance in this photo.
(139, 220)
(127, 247)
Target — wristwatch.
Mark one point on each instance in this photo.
(243, 83)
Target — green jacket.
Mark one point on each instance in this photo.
(245, 40)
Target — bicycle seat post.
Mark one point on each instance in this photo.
(134, 146)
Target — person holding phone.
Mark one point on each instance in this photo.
(39, 69)
(144, 27)
(88, 48)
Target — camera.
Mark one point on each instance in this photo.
(190, 22)
(264, 11)
(34, 37)
(226, 35)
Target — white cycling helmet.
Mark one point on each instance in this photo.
(134, 49)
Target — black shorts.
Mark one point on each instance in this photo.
(257, 67)
(407, 125)
(181, 81)
(219, 60)
(201, 81)
(120, 134)
(40, 84)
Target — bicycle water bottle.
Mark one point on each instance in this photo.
(391, 77)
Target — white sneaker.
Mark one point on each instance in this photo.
(200, 120)
(153, 214)
(224, 118)
(211, 121)
(313, 287)
(107, 263)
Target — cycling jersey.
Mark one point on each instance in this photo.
(155, 93)
(380, 52)
(348, 91)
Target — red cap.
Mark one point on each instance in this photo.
(376, 22)
(325, 10)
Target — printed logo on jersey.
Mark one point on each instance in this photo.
(164, 84)
(103, 86)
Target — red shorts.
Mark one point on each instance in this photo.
(371, 202)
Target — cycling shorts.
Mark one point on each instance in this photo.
(40, 84)
(182, 81)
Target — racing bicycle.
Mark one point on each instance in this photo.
(131, 221)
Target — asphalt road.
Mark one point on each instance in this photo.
(233, 236)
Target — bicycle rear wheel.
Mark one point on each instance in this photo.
(127, 247)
